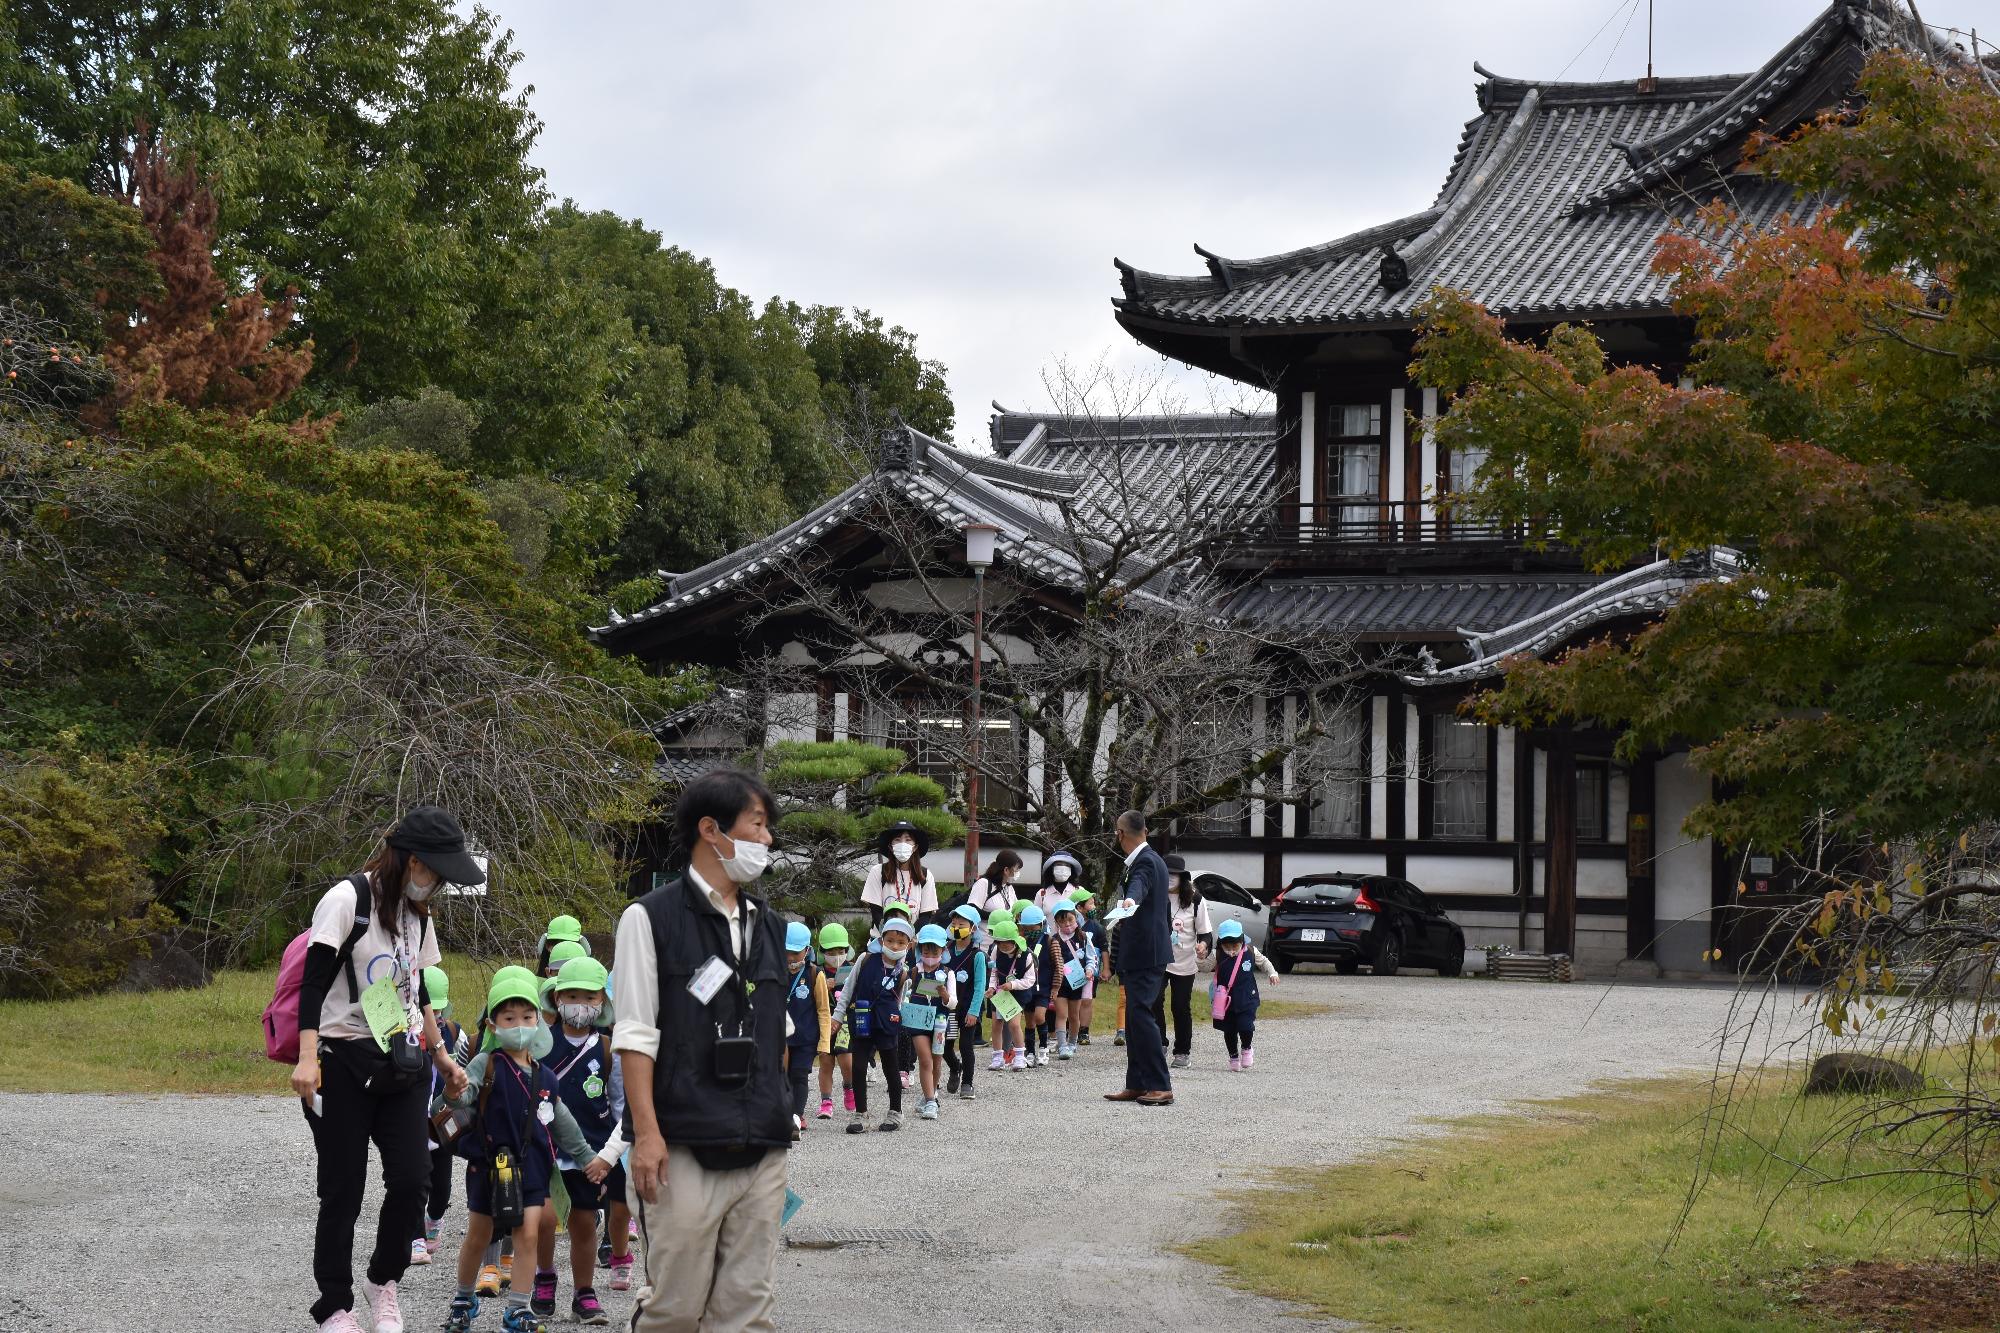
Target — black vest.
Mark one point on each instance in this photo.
(694, 1109)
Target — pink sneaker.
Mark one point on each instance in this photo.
(621, 1272)
(1235, 1064)
(341, 1321)
(826, 1108)
(382, 1303)
(1249, 1057)
(847, 1099)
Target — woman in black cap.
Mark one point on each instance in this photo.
(901, 877)
(364, 1069)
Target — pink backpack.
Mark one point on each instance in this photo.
(281, 1015)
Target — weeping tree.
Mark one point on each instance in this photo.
(837, 798)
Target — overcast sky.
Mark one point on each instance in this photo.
(968, 170)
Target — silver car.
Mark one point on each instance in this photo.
(1230, 901)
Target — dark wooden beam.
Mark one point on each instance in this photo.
(1559, 918)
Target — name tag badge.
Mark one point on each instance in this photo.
(800, 991)
(546, 1112)
(708, 979)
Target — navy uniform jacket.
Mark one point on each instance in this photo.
(1146, 938)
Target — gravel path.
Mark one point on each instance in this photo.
(189, 1212)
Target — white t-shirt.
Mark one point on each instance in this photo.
(986, 896)
(911, 884)
(376, 954)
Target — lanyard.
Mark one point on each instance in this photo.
(576, 1059)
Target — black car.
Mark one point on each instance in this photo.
(1352, 920)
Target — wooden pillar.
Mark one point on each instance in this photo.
(1640, 926)
(1524, 830)
(1559, 903)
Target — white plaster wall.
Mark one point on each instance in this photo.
(1245, 868)
(1503, 785)
(842, 703)
(1411, 724)
(1378, 767)
(1600, 879)
(1397, 447)
(1541, 780)
(1308, 448)
(1681, 867)
(792, 717)
(1461, 874)
(1326, 863)
(1619, 803)
(1288, 817)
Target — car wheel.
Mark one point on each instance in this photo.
(1454, 963)
(1283, 964)
(1388, 956)
(1347, 969)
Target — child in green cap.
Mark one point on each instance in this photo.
(438, 987)
(835, 965)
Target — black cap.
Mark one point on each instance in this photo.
(890, 834)
(1177, 863)
(432, 835)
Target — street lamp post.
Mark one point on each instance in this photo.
(980, 539)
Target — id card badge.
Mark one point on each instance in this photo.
(382, 1007)
(708, 979)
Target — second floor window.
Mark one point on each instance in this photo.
(1458, 778)
(1355, 469)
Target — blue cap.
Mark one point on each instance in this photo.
(970, 913)
(1232, 929)
(798, 935)
(1061, 905)
(933, 934)
(1031, 915)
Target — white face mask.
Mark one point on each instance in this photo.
(581, 1015)
(417, 893)
(750, 861)
(1060, 874)
(892, 955)
(903, 851)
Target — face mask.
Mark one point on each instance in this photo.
(834, 960)
(581, 1015)
(416, 892)
(892, 955)
(515, 1039)
(903, 851)
(930, 960)
(960, 932)
(750, 861)
(1060, 874)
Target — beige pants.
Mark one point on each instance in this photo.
(710, 1247)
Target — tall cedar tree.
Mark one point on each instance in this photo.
(1842, 433)
(194, 343)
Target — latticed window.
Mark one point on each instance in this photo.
(1356, 480)
(935, 733)
(1458, 778)
(1339, 799)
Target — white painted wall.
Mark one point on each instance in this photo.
(1503, 786)
(1681, 867)
(842, 703)
(1324, 863)
(1378, 767)
(1397, 447)
(1245, 868)
(1308, 450)
(1461, 874)
(1428, 462)
(1600, 879)
(792, 717)
(1411, 725)
(1288, 817)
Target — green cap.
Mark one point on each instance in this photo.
(1021, 905)
(513, 982)
(833, 935)
(438, 986)
(582, 974)
(1079, 894)
(995, 917)
(1007, 930)
(567, 952)
(564, 928)
(907, 911)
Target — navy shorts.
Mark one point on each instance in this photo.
(479, 1190)
(589, 1197)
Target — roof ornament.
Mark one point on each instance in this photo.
(897, 448)
(1395, 270)
(1218, 268)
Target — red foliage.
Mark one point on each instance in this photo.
(196, 343)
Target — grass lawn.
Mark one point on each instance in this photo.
(1104, 1018)
(207, 1040)
(1560, 1219)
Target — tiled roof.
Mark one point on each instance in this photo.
(1152, 469)
(1552, 206)
(1405, 605)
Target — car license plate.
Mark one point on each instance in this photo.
(1312, 937)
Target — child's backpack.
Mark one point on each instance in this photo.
(281, 1015)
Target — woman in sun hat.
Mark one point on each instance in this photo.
(900, 876)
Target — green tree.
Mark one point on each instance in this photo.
(1842, 434)
(69, 256)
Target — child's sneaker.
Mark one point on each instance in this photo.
(1065, 1051)
(621, 1272)
(464, 1309)
(847, 1099)
(1235, 1064)
(929, 1109)
(543, 1299)
(826, 1108)
(999, 1061)
(891, 1122)
(1020, 1061)
(1083, 1037)
(431, 1237)
(420, 1253)
(1249, 1057)
(520, 1319)
(859, 1124)
(965, 1094)
(343, 1321)
(585, 1308)
(951, 1084)
(383, 1305)
(1042, 1058)
(1118, 1037)
(1179, 1062)
(489, 1281)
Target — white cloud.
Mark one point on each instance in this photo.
(968, 171)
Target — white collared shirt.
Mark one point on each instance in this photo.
(636, 997)
(1135, 852)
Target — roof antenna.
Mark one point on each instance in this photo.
(1649, 84)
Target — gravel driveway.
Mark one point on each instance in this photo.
(1040, 1198)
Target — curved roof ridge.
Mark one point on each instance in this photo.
(1497, 91)
(1472, 188)
(1224, 273)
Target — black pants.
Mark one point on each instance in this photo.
(1145, 1057)
(958, 1051)
(351, 1118)
(865, 1050)
(1181, 991)
(799, 1062)
(1244, 1032)
(443, 1164)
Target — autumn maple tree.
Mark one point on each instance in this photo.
(1842, 431)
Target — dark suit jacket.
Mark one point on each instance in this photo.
(1146, 938)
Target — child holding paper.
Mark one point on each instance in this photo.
(933, 991)
(1074, 960)
(1233, 995)
(871, 1008)
(1008, 977)
(967, 962)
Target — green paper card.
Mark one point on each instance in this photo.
(383, 1009)
(1005, 1005)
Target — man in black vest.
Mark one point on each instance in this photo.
(700, 1004)
(1145, 947)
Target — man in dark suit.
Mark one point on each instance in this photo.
(1145, 947)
